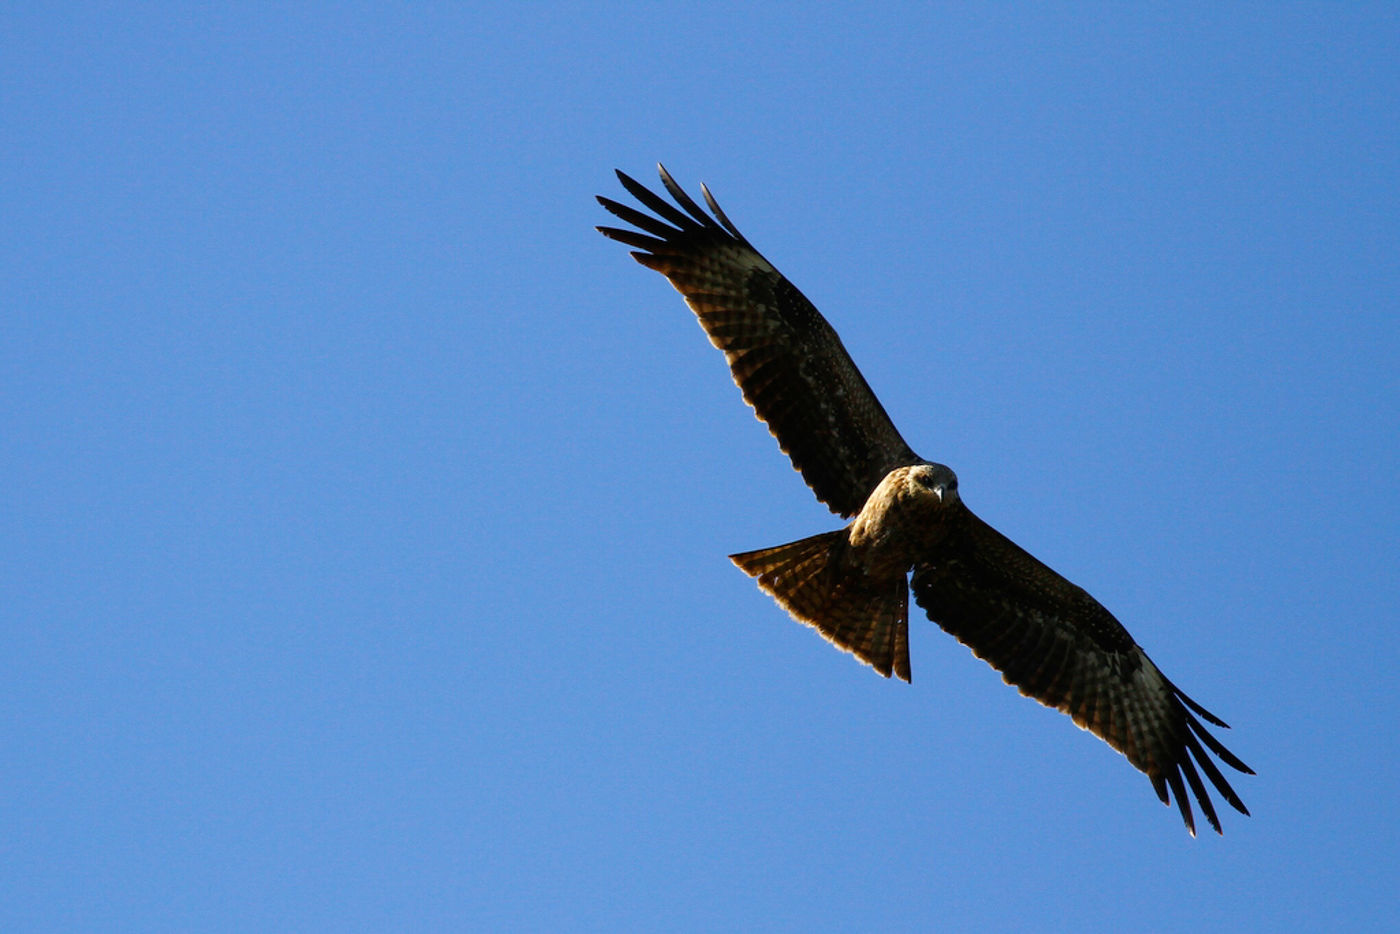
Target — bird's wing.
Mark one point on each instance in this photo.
(784, 355)
(1057, 644)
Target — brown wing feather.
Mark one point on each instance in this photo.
(1057, 644)
(783, 354)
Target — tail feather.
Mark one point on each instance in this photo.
(867, 617)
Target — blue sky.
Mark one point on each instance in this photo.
(367, 512)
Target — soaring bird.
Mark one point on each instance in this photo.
(909, 527)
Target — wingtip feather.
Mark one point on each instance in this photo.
(1183, 803)
(1199, 790)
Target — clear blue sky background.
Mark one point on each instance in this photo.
(365, 513)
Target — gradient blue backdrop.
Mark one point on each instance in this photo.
(365, 513)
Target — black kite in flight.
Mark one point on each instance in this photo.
(1047, 637)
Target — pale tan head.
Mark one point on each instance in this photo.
(904, 513)
(931, 479)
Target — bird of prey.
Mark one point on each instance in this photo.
(1047, 637)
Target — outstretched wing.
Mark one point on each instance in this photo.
(1057, 644)
(784, 355)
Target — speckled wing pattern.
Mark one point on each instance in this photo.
(783, 354)
(1048, 637)
(1057, 644)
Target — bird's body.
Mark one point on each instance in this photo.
(1047, 636)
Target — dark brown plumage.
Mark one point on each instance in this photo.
(1048, 637)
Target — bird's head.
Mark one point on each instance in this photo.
(935, 479)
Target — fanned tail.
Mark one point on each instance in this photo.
(812, 580)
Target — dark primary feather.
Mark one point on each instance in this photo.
(1057, 644)
(783, 354)
(1048, 637)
